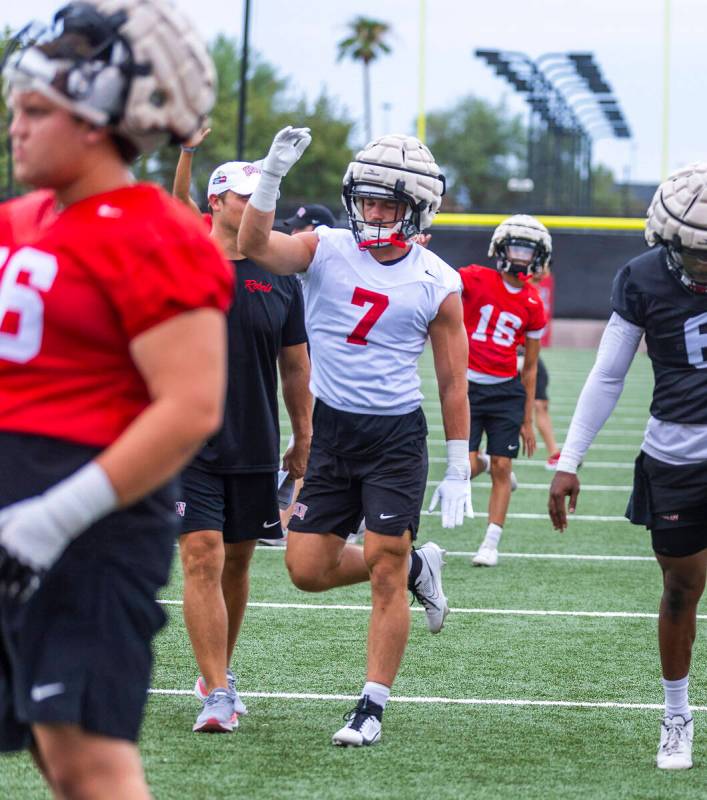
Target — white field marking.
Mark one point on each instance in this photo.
(586, 465)
(486, 484)
(520, 515)
(499, 612)
(454, 701)
(541, 445)
(550, 556)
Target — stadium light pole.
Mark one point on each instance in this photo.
(243, 85)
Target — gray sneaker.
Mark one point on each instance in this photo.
(427, 588)
(238, 704)
(217, 714)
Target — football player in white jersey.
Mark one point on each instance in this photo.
(372, 297)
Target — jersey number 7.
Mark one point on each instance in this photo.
(379, 303)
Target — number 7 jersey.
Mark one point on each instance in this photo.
(367, 323)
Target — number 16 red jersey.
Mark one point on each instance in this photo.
(497, 317)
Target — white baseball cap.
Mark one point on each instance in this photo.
(240, 177)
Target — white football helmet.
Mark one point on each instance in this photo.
(394, 167)
(521, 246)
(677, 219)
(135, 66)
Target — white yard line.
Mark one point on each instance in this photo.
(456, 701)
(550, 556)
(500, 612)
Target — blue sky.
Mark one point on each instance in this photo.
(626, 36)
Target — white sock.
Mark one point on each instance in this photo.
(377, 692)
(676, 697)
(493, 535)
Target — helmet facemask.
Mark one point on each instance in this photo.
(521, 258)
(689, 265)
(393, 231)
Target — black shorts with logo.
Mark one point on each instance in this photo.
(80, 650)
(243, 506)
(671, 501)
(498, 410)
(541, 381)
(363, 465)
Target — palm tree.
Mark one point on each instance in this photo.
(365, 43)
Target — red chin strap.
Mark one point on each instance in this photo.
(395, 239)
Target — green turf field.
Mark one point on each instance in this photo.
(544, 682)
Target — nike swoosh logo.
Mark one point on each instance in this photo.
(387, 516)
(271, 524)
(431, 274)
(534, 302)
(512, 446)
(40, 693)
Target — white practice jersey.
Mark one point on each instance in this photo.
(367, 323)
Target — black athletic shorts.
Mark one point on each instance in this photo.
(363, 465)
(79, 650)
(671, 501)
(242, 506)
(541, 381)
(498, 410)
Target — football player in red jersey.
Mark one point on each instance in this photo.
(112, 351)
(501, 309)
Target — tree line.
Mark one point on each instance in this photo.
(479, 145)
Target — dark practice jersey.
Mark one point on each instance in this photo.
(267, 314)
(646, 294)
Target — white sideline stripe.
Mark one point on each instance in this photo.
(477, 484)
(555, 556)
(541, 445)
(500, 612)
(586, 465)
(452, 701)
(520, 515)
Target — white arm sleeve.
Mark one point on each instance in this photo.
(602, 389)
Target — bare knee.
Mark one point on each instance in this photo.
(305, 576)
(500, 469)
(681, 594)
(202, 557)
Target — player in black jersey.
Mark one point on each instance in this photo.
(229, 491)
(662, 293)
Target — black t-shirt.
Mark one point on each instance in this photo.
(647, 294)
(267, 314)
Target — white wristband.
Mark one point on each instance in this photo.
(80, 500)
(264, 198)
(457, 459)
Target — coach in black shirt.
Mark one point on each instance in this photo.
(230, 490)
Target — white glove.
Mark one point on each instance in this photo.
(454, 492)
(36, 531)
(285, 151)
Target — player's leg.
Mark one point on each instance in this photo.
(201, 549)
(327, 510)
(236, 584)
(682, 556)
(543, 422)
(85, 765)
(504, 409)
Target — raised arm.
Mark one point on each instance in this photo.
(276, 252)
(181, 188)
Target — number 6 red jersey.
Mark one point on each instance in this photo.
(497, 318)
(76, 287)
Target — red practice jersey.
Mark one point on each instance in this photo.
(497, 319)
(76, 287)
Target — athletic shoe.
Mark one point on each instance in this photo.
(427, 588)
(486, 461)
(363, 725)
(217, 715)
(357, 538)
(675, 749)
(202, 694)
(281, 542)
(485, 557)
(551, 463)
